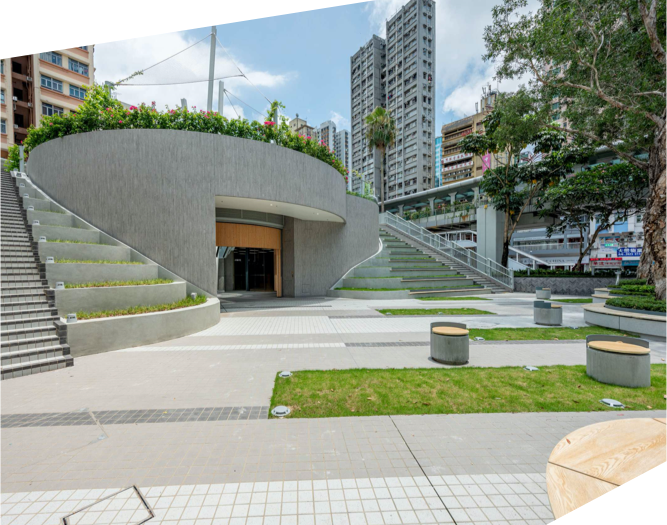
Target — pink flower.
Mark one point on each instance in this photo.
(308, 138)
(269, 123)
(50, 123)
(132, 108)
(153, 103)
(120, 122)
(108, 109)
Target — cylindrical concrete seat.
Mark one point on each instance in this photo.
(618, 360)
(547, 314)
(450, 344)
(542, 293)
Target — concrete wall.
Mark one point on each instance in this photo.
(154, 191)
(563, 285)
(323, 252)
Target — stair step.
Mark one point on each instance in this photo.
(19, 310)
(35, 367)
(448, 291)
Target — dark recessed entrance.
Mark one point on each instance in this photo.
(253, 270)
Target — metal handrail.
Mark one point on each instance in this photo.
(472, 260)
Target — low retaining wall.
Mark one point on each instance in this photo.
(583, 286)
(103, 335)
(598, 315)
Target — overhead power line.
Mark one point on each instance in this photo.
(242, 73)
(179, 83)
(242, 102)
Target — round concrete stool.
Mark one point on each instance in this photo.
(547, 314)
(618, 360)
(450, 344)
(542, 293)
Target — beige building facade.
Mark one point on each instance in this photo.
(44, 84)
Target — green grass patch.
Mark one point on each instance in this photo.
(364, 392)
(542, 334)
(584, 300)
(101, 261)
(472, 298)
(425, 277)
(108, 284)
(434, 311)
(51, 211)
(135, 310)
(407, 289)
(66, 241)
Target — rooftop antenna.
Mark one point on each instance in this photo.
(484, 90)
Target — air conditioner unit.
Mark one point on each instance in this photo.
(16, 126)
(29, 79)
(29, 104)
(15, 99)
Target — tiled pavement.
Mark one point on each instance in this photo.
(484, 468)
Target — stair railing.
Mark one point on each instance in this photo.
(491, 269)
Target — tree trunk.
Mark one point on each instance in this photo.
(382, 181)
(652, 262)
(506, 242)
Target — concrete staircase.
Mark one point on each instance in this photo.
(479, 278)
(404, 271)
(33, 339)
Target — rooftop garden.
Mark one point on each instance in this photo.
(100, 111)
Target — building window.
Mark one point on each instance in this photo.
(2, 96)
(78, 67)
(2, 66)
(52, 83)
(54, 58)
(85, 48)
(77, 92)
(48, 110)
(3, 127)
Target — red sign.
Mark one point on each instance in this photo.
(606, 262)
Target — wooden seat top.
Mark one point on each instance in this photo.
(597, 458)
(618, 347)
(556, 306)
(450, 330)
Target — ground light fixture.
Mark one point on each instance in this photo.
(42, 238)
(479, 339)
(285, 373)
(193, 296)
(71, 318)
(21, 185)
(60, 285)
(280, 411)
(31, 208)
(531, 368)
(612, 403)
(26, 196)
(50, 260)
(35, 222)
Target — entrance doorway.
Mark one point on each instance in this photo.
(253, 270)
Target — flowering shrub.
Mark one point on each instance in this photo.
(100, 111)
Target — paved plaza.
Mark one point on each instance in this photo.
(185, 421)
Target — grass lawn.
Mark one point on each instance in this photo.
(577, 301)
(364, 392)
(541, 334)
(434, 288)
(135, 310)
(434, 311)
(109, 284)
(101, 261)
(454, 299)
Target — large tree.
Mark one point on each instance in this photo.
(594, 200)
(516, 184)
(604, 61)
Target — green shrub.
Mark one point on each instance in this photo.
(644, 288)
(563, 273)
(631, 282)
(100, 111)
(638, 303)
(14, 158)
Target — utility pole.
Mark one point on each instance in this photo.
(221, 97)
(211, 69)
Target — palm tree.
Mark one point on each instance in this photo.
(380, 134)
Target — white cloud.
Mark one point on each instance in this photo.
(118, 60)
(340, 121)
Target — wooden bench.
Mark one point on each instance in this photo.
(618, 360)
(596, 459)
(450, 343)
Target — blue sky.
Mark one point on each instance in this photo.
(301, 59)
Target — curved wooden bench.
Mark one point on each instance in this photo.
(618, 360)
(596, 459)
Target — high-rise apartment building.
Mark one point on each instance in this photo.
(456, 165)
(40, 85)
(410, 87)
(398, 74)
(327, 133)
(438, 161)
(367, 91)
(342, 147)
(301, 127)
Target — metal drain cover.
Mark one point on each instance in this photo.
(280, 411)
(125, 507)
(285, 373)
(612, 403)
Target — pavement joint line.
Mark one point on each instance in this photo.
(422, 469)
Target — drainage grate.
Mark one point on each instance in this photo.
(125, 507)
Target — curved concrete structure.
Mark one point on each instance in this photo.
(156, 191)
(637, 323)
